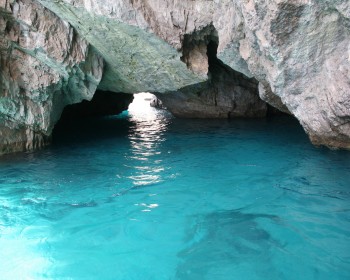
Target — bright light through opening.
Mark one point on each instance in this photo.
(146, 134)
(141, 107)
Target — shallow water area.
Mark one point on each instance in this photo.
(146, 196)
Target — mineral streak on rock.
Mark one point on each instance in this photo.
(294, 54)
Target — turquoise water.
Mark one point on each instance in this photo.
(146, 196)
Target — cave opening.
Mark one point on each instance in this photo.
(107, 115)
(104, 103)
(87, 120)
(216, 66)
(213, 61)
(227, 94)
(230, 92)
(199, 50)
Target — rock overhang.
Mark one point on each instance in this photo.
(137, 45)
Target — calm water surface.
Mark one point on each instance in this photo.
(146, 196)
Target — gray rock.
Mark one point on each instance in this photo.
(45, 65)
(294, 54)
(156, 103)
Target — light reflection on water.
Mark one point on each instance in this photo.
(147, 131)
(147, 196)
(25, 250)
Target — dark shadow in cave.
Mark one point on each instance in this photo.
(79, 120)
(218, 70)
(216, 66)
(104, 103)
(227, 93)
(213, 61)
(89, 130)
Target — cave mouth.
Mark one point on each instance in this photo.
(107, 115)
(228, 93)
(199, 49)
(199, 52)
(86, 120)
(104, 103)
(145, 104)
(213, 61)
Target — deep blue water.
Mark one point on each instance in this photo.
(147, 196)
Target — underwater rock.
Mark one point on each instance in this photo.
(227, 237)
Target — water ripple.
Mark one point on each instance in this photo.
(143, 194)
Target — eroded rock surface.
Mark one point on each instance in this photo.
(45, 65)
(294, 54)
(298, 50)
(226, 94)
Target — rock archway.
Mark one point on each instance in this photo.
(226, 94)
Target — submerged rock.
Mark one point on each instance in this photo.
(227, 237)
(201, 58)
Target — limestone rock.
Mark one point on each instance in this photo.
(297, 49)
(136, 60)
(156, 103)
(227, 93)
(45, 65)
(294, 53)
(300, 50)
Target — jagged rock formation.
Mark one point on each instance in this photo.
(202, 58)
(227, 94)
(45, 65)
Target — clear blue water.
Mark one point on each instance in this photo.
(147, 196)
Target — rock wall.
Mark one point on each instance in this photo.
(294, 54)
(45, 65)
(226, 94)
(298, 51)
